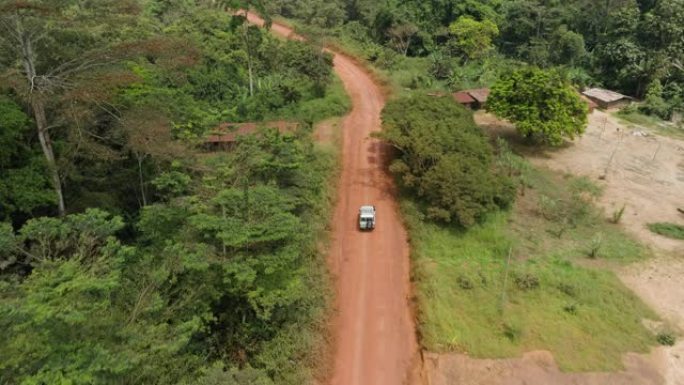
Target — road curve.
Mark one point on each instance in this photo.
(374, 329)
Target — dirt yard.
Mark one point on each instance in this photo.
(637, 169)
(645, 173)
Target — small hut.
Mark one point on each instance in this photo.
(475, 98)
(225, 135)
(463, 98)
(480, 95)
(606, 99)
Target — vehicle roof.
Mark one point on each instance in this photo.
(367, 209)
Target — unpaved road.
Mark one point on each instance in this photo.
(374, 329)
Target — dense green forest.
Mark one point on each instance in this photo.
(129, 255)
(632, 46)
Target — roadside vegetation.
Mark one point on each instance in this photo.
(444, 159)
(521, 259)
(130, 254)
(531, 278)
(634, 118)
(495, 276)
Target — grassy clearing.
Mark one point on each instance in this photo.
(550, 300)
(633, 117)
(666, 229)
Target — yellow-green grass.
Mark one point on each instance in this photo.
(633, 117)
(472, 300)
(666, 229)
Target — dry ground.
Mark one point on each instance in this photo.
(645, 173)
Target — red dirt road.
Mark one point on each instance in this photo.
(374, 329)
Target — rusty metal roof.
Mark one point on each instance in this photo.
(463, 97)
(229, 132)
(603, 95)
(479, 94)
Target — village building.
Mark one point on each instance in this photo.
(225, 135)
(473, 98)
(464, 99)
(590, 103)
(606, 99)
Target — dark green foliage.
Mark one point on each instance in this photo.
(542, 104)
(570, 309)
(221, 277)
(207, 269)
(526, 281)
(465, 283)
(23, 183)
(624, 45)
(445, 159)
(666, 339)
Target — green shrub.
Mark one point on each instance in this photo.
(570, 309)
(666, 338)
(666, 229)
(567, 289)
(595, 246)
(465, 283)
(617, 215)
(512, 331)
(527, 281)
(445, 159)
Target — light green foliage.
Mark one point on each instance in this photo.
(244, 219)
(172, 183)
(445, 159)
(542, 104)
(462, 272)
(655, 104)
(93, 310)
(473, 38)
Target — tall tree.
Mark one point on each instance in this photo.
(542, 104)
(53, 44)
(472, 38)
(64, 65)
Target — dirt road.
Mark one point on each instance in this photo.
(375, 334)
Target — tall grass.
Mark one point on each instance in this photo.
(666, 229)
(472, 300)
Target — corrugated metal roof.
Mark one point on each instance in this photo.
(603, 95)
(479, 94)
(229, 132)
(463, 97)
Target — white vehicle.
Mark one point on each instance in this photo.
(367, 217)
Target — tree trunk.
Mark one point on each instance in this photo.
(142, 179)
(46, 144)
(407, 45)
(248, 50)
(251, 76)
(38, 107)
